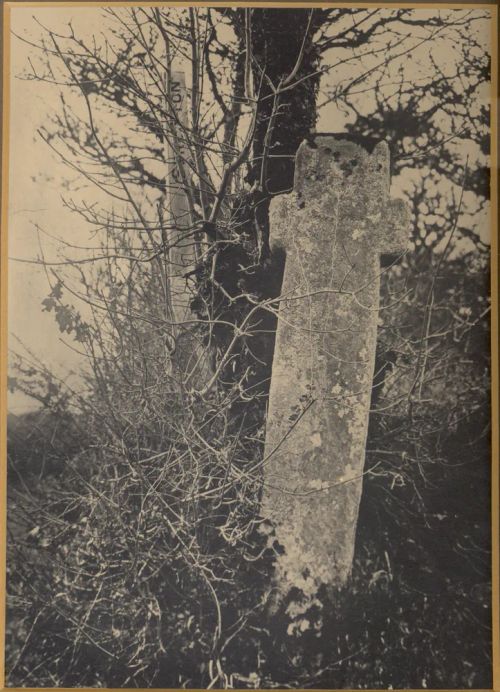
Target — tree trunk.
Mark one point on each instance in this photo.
(278, 39)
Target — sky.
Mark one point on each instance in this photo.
(38, 180)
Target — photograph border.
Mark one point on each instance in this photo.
(494, 279)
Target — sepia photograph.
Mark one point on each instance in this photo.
(249, 296)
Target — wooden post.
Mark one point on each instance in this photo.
(333, 228)
(190, 360)
(182, 255)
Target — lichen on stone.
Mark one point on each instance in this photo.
(334, 228)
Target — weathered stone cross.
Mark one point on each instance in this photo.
(333, 227)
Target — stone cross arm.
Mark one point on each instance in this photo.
(358, 179)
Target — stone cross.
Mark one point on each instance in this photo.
(333, 228)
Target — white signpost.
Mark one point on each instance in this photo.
(182, 254)
(190, 358)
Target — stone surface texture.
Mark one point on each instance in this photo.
(333, 229)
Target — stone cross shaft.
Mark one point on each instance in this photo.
(333, 228)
